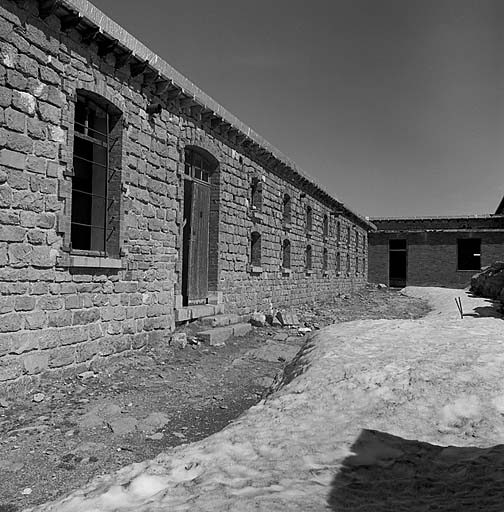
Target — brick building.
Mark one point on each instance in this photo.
(130, 200)
(434, 251)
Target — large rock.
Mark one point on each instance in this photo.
(490, 281)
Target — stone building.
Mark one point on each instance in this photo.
(130, 200)
(434, 251)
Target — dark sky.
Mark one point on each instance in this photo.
(394, 106)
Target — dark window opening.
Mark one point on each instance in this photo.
(308, 258)
(349, 235)
(325, 226)
(356, 264)
(348, 263)
(397, 245)
(96, 177)
(398, 263)
(309, 218)
(469, 254)
(325, 257)
(256, 194)
(255, 249)
(338, 262)
(338, 231)
(286, 209)
(286, 254)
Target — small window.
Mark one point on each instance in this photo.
(348, 263)
(308, 258)
(309, 218)
(96, 176)
(338, 262)
(286, 254)
(197, 166)
(255, 249)
(338, 231)
(469, 253)
(286, 209)
(349, 236)
(357, 240)
(356, 264)
(325, 257)
(325, 226)
(256, 194)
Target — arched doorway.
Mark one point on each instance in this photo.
(199, 167)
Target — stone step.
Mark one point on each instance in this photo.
(219, 335)
(195, 312)
(223, 320)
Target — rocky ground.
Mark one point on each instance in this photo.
(140, 405)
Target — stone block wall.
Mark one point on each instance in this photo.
(62, 310)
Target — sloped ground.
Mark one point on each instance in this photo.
(364, 425)
(140, 405)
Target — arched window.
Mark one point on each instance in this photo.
(286, 209)
(197, 165)
(308, 258)
(325, 226)
(325, 257)
(286, 254)
(309, 218)
(255, 249)
(96, 182)
(256, 194)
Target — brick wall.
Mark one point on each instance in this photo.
(61, 310)
(432, 255)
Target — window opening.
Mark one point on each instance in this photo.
(197, 166)
(325, 256)
(325, 226)
(308, 257)
(255, 249)
(256, 194)
(286, 209)
(286, 254)
(309, 218)
(469, 254)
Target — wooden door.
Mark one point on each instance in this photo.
(195, 258)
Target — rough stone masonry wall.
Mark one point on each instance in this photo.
(61, 314)
(53, 316)
(432, 257)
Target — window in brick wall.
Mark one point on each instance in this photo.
(325, 226)
(349, 236)
(325, 257)
(308, 258)
(96, 182)
(469, 254)
(255, 249)
(197, 166)
(256, 200)
(348, 263)
(356, 264)
(287, 209)
(286, 254)
(357, 240)
(309, 218)
(338, 262)
(338, 231)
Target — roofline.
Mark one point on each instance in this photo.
(83, 10)
(440, 217)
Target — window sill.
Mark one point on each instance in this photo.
(256, 216)
(255, 269)
(80, 261)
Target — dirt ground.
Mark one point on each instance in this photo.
(71, 430)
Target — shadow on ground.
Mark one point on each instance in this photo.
(388, 473)
(494, 309)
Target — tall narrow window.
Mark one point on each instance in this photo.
(286, 254)
(255, 249)
(325, 226)
(256, 194)
(338, 262)
(348, 263)
(338, 231)
(286, 209)
(96, 181)
(309, 218)
(349, 236)
(356, 264)
(325, 257)
(469, 254)
(357, 240)
(308, 258)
